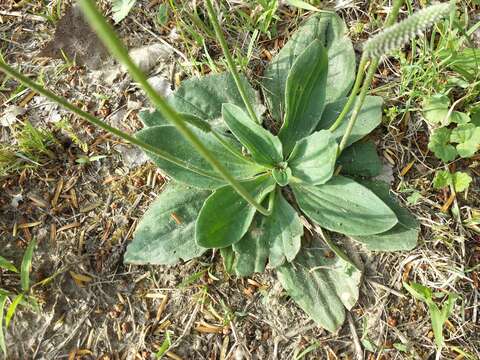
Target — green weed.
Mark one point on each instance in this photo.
(438, 316)
(10, 300)
(30, 147)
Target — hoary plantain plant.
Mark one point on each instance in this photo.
(239, 188)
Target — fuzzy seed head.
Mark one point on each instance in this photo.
(402, 32)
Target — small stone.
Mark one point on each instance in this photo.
(10, 115)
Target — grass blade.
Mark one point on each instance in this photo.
(11, 309)
(7, 265)
(165, 346)
(26, 266)
(3, 300)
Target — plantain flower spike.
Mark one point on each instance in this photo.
(396, 35)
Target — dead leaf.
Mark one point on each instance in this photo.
(16, 199)
(160, 85)
(132, 156)
(146, 57)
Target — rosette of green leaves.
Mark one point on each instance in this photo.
(305, 87)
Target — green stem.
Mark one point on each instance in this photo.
(392, 17)
(111, 41)
(271, 199)
(358, 104)
(353, 94)
(96, 121)
(230, 62)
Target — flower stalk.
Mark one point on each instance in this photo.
(392, 17)
(392, 37)
(229, 59)
(115, 46)
(96, 121)
(117, 49)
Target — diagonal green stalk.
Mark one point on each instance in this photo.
(96, 121)
(230, 62)
(117, 49)
(353, 94)
(392, 17)
(358, 105)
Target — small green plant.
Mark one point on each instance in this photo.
(438, 316)
(441, 76)
(459, 180)
(449, 141)
(31, 146)
(240, 186)
(85, 160)
(21, 298)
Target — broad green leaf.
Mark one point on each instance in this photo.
(154, 118)
(264, 147)
(166, 232)
(436, 110)
(460, 180)
(345, 206)
(439, 144)
(323, 286)
(360, 159)
(468, 138)
(271, 238)
(26, 265)
(467, 149)
(7, 265)
(121, 8)
(203, 97)
(459, 118)
(282, 176)
(313, 158)
(168, 139)
(442, 179)
(465, 62)
(419, 292)
(403, 236)
(464, 133)
(304, 95)
(369, 118)
(3, 300)
(11, 309)
(330, 30)
(226, 216)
